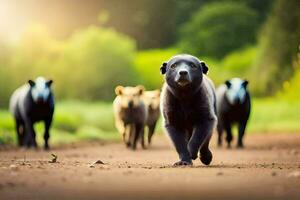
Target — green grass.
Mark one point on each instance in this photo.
(73, 121)
(76, 121)
(275, 115)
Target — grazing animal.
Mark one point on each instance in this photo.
(152, 101)
(233, 106)
(130, 114)
(31, 103)
(188, 105)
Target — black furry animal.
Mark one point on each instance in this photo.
(130, 114)
(29, 104)
(188, 104)
(233, 106)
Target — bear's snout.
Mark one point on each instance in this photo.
(183, 72)
(130, 104)
(183, 77)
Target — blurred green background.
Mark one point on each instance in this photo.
(90, 47)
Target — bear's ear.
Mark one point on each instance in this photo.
(31, 83)
(228, 84)
(245, 83)
(141, 89)
(204, 67)
(119, 90)
(49, 83)
(163, 68)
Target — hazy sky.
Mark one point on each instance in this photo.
(61, 17)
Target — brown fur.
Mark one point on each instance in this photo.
(152, 101)
(130, 114)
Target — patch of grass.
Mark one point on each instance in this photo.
(274, 115)
(73, 121)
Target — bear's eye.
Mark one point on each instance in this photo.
(193, 66)
(174, 66)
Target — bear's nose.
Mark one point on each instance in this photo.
(130, 104)
(183, 73)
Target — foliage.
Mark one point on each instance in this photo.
(278, 44)
(218, 28)
(88, 65)
(99, 60)
(147, 65)
(291, 88)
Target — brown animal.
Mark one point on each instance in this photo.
(152, 101)
(130, 114)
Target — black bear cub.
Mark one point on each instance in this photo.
(188, 105)
(233, 107)
(31, 103)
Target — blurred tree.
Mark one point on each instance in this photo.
(86, 66)
(261, 7)
(151, 23)
(94, 62)
(278, 42)
(5, 75)
(218, 28)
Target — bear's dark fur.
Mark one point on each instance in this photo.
(28, 110)
(232, 108)
(188, 105)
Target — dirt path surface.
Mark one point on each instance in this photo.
(269, 168)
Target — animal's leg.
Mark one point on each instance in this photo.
(136, 134)
(20, 132)
(201, 134)
(48, 123)
(142, 135)
(151, 132)
(180, 143)
(130, 130)
(205, 153)
(220, 132)
(29, 137)
(229, 136)
(242, 127)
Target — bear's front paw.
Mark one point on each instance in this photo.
(183, 163)
(206, 157)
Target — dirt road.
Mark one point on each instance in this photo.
(269, 168)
